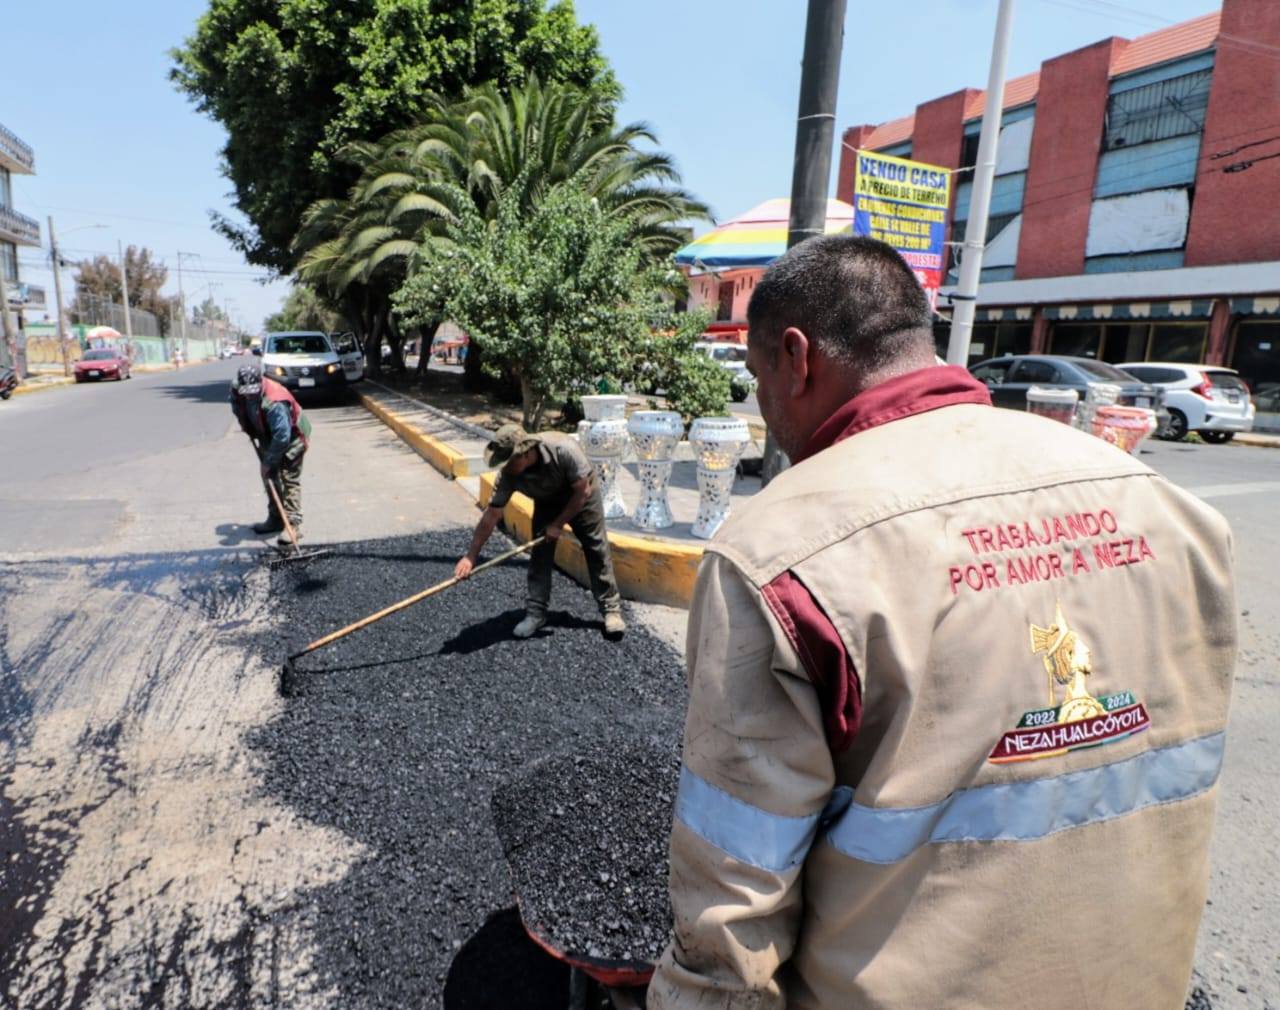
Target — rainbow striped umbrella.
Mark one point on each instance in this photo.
(756, 238)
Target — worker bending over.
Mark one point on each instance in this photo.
(958, 687)
(553, 471)
(280, 433)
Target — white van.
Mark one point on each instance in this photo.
(308, 359)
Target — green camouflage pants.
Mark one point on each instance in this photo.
(589, 527)
(288, 482)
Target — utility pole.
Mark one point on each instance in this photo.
(124, 286)
(965, 298)
(815, 134)
(182, 311)
(57, 293)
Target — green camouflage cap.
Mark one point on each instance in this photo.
(511, 440)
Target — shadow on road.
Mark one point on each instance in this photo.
(500, 968)
(235, 534)
(214, 391)
(497, 629)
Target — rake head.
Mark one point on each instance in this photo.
(280, 558)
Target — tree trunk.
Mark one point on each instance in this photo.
(473, 378)
(426, 334)
(395, 341)
(530, 404)
(373, 348)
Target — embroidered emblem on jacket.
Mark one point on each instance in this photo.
(1079, 719)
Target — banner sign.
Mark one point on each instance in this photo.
(904, 203)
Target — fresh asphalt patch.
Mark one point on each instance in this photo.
(401, 734)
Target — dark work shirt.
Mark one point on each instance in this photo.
(561, 464)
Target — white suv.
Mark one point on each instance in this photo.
(1207, 399)
(308, 359)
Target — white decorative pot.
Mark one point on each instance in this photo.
(604, 443)
(718, 444)
(604, 407)
(654, 436)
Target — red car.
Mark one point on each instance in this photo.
(102, 363)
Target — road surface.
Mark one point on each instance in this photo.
(140, 856)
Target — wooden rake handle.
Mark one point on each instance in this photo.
(439, 587)
(288, 526)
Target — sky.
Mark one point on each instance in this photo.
(123, 157)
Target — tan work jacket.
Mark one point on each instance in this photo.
(958, 692)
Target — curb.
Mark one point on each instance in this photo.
(444, 457)
(40, 387)
(1258, 440)
(647, 570)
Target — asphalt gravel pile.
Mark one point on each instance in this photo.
(586, 837)
(402, 732)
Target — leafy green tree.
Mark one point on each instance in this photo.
(303, 309)
(100, 277)
(295, 81)
(467, 156)
(558, 294)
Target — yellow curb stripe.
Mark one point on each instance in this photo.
(446, 459)
(40, 387)
(651, 571)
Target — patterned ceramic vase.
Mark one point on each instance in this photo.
(604, 443)
(718, 444)
(604, 407)
(654, 435)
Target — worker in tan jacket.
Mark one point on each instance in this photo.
(958, 684)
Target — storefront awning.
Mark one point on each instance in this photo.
(1191, 308)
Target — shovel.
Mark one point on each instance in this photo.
(289, 674)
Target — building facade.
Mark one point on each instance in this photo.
(1135, 213)
(16, 228)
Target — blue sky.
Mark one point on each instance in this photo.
(85, 83)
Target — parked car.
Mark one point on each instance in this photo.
(1207, 399)
(102, 363)
(305, 360)
(1010, 377)
(733, 359)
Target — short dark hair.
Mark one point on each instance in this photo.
(854, 296)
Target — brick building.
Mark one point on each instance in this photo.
(1136, 206)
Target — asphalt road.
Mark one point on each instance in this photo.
(139, 846)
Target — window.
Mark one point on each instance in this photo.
(1077, 340)
(725, 294)
(969, 150)
(1101, 370)
(992, 373)
(6, 189)
(9, 261)
(1257, 358)
(1150, 373)
(299, 343)
(1157, 111)
(1034, 370)
(1178, 342)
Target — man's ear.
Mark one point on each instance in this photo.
(794, 350)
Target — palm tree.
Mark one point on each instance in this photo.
(414, 183)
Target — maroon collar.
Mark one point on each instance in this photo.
(913, 393)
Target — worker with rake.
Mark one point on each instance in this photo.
(280, 433)
(553, 471)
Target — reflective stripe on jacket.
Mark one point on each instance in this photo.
(958, 690)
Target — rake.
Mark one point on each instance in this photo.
(289, 675)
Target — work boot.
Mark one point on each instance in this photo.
(268, 526)
(284, 541)
(529, 626)
(614, 626)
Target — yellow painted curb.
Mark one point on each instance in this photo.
(40, 387)
(446, 459)
(649, 570)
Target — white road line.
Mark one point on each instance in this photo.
(1230, 490)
